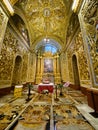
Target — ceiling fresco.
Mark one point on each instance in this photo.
(46, 18)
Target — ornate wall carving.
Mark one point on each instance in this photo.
(83, 67)
(7, 55)
(77, 48)
(10, 49)
(90, 23)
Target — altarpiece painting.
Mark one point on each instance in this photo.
(48, 65)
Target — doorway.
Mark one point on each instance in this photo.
(75, 72)
(16, 79)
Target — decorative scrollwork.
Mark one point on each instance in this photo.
(90, 17)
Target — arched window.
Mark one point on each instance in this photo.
(50, 48)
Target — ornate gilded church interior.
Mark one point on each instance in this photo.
(49, 65)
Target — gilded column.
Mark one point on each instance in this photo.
(36, 64)
(38, 67)
(28, 68)
(54, 65)
(58, 64)
(41, 61)
(57, 76)
(38, 76)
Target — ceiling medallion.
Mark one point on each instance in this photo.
(46, 12)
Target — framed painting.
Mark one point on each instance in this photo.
(48, 65)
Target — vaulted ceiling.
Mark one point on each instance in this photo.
(46, 18)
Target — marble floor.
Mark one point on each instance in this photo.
(47, 112)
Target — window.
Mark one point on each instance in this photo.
(50, 48)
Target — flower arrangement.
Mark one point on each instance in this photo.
(66, 84)
(60, 86)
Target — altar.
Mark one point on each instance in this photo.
(49, 87)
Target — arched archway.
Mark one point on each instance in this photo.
(20, 26)
(75, 72)
(16, 79)
(48, 61)
(48, 41)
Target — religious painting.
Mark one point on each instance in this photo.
(48, 65)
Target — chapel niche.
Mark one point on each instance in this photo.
(16, 78)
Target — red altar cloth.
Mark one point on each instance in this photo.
(48, 87)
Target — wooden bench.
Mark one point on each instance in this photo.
(92, 98)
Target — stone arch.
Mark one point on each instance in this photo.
(57, 40)
(16, 78)
(52, 42)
